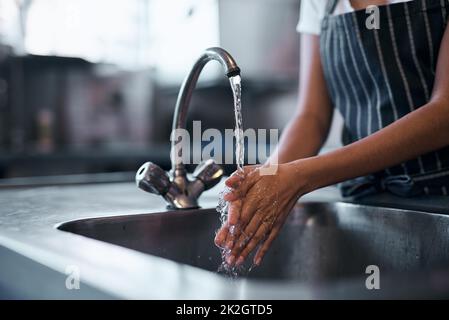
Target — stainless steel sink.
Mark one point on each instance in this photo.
(320, 242)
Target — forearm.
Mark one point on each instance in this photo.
(420, 132)
(308, 129)
(303, 137)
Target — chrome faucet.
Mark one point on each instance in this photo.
(180, 191)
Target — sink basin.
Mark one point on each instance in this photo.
(320, 242)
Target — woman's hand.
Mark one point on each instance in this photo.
(258, 207)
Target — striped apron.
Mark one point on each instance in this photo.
(376, 76)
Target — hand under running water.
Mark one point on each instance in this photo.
(258, 207)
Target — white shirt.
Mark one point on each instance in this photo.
(313, 11)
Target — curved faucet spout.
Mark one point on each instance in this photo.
(185, 94)
(180, 191)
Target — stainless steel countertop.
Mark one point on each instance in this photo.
(28, 220)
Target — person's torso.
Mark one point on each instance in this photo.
(380, 68)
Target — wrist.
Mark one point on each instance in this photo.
(303, 175)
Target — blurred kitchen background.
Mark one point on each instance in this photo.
(88, 87)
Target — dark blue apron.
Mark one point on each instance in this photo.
(376, 76)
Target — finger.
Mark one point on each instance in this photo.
(241, 189)
(258, 237)
(230, 239)
(240, 215)
(227, 241)
(234, 209)
(260, 254)
(250, 179)
(234, 180)
(238, 176)
(271, 221)
(226, 235)
(247, 209)
(266, 244)
(233, 216)
(247, 235)
(232, 195)
(221, 236)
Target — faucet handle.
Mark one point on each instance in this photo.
(209, 173)
(151, 178)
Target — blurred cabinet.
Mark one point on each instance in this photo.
(57, 103)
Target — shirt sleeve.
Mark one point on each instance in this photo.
(311, 14)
